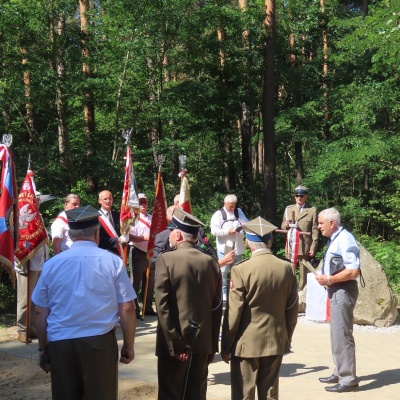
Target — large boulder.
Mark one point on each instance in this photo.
(376, 304)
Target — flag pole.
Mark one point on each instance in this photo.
(28, 285)
(160, 160)
(130, 199)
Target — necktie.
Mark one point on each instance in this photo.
(110, 218)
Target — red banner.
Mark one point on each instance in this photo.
(159, 217)
(8, 211)
(32, 232)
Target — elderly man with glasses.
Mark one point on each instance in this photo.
(305, 217)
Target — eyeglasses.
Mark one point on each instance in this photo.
(299, 195)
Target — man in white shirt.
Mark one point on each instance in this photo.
(59, 228)
(139, 236)
(226, 226)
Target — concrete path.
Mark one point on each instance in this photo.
(378, 363)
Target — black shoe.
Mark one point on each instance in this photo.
(150, 312)
(330, 379)
(342, 388)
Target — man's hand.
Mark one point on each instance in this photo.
(226, 357)
(127, 355)
(232, 232)
(44, 360)
(311, 253)
(227, 258)
(182, 356)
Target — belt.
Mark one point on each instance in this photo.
(340, 284)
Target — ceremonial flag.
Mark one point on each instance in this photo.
(8, 211)
(130, 199)
(292, 244)
(159, 218)
(184, 196)
(32, 232)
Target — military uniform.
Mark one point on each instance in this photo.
(259, 321)
(307, 221)
(188, 287)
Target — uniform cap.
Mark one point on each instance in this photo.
(301, 190)
(259, 230)
(82, 217)
(186, 222)
(142, 196)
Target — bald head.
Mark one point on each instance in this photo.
(106, 200)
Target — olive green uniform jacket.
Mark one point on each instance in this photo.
(262, 308)
(188, 287)
(307, 221)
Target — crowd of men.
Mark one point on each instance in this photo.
(202, 295)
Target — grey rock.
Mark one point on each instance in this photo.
(376, 303)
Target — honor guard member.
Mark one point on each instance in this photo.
(260, 315)
(81, 296)
(139, 236)
(188, 287)
(306, 218)
(59, 228)
(109, 224)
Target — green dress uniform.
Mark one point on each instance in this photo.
(307, 220)
(259, 321)
(188, 287)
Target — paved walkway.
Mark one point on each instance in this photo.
(377, 359)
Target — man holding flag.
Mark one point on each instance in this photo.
(30, 255)
(139, 236)
(301, 247)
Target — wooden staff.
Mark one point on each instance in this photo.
(28, 304)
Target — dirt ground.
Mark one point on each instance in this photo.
(22, 379)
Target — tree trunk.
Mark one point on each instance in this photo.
(88, 107)
(250, 156)
(270, 202)
(325, 70)
(58, 65)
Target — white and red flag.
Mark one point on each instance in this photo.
(184, 196)
(130, 203)
(130, 199)
(159, 216)
(32, 232)
(8, 211)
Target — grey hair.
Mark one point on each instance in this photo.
(259, 245)
(189, 237)
(331, 214)
(231, 198)
(83, 233)
(71, 196)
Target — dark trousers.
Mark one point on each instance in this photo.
(139, 264)
(84, 368)
(171, 376)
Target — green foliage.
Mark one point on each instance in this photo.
(388, 255)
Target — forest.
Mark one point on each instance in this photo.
(260, 95)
